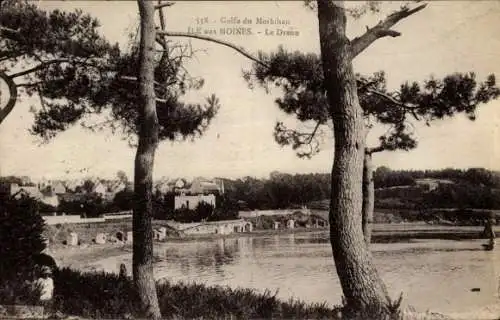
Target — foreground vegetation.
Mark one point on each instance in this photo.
(105, 295)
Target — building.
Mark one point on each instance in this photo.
(201, 185)
(192, 201)
(31, 191)
(430, 184)
(72, 185)
(190, 195)
(318, 221)
(116, 186)
(58, 188)
(163, 186)
(100, 189)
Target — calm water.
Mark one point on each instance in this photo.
(435, 274)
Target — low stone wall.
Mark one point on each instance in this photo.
(57, 234)
(53, 220)
(284, 212)
(69, 219)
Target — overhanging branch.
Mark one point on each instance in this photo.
(47, 63)
(214, 40)
(4, 112)
(163, 5)
(374, 150)
(382, 29)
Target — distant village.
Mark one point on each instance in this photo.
(188, 194)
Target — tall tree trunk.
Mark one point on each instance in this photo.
(144, 162)
(368, 198)
(361, 284)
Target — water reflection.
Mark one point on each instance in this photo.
(436, 275)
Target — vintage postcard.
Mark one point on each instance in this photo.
(252, 159)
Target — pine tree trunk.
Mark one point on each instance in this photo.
(144, 162)
(361, 284)
(368, 198)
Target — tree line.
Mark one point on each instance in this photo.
(470, 188)
(384, 177)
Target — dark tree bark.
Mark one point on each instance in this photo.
(144, 161)
(6, 109)
(368, 198)
(361, 284)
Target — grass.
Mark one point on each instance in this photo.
(108, 296)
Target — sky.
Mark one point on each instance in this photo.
(445, 37)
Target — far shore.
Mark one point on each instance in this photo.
(86, 254)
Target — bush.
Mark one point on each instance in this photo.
(124, 200)
(93, 295)
(15, 292)
(87, 205)
(203, 211)
(21, 229)
(105, 295)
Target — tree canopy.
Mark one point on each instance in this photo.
(299, 76)
(63, 59)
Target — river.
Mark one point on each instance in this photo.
(437, 275)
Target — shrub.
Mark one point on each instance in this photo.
(93, 295)
(88, 205)
(21, 229)
(124, 200)
(13, 292)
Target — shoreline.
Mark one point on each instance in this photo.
(401, 233)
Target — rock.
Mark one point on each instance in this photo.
(100, 238)
(72, 239)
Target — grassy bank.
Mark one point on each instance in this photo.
(108, 296)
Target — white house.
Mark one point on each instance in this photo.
(99, 189)
(58, 188)
(31, 191)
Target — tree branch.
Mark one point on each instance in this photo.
(218, 41)
(163, 5)
(29, 84)
(382, 29)
(4, 112)
(134, 79)
(396, 102)
(314, 132)
(8, 31)
(374, 150)
(48, 63)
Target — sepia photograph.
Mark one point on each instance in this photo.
(306, 159)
